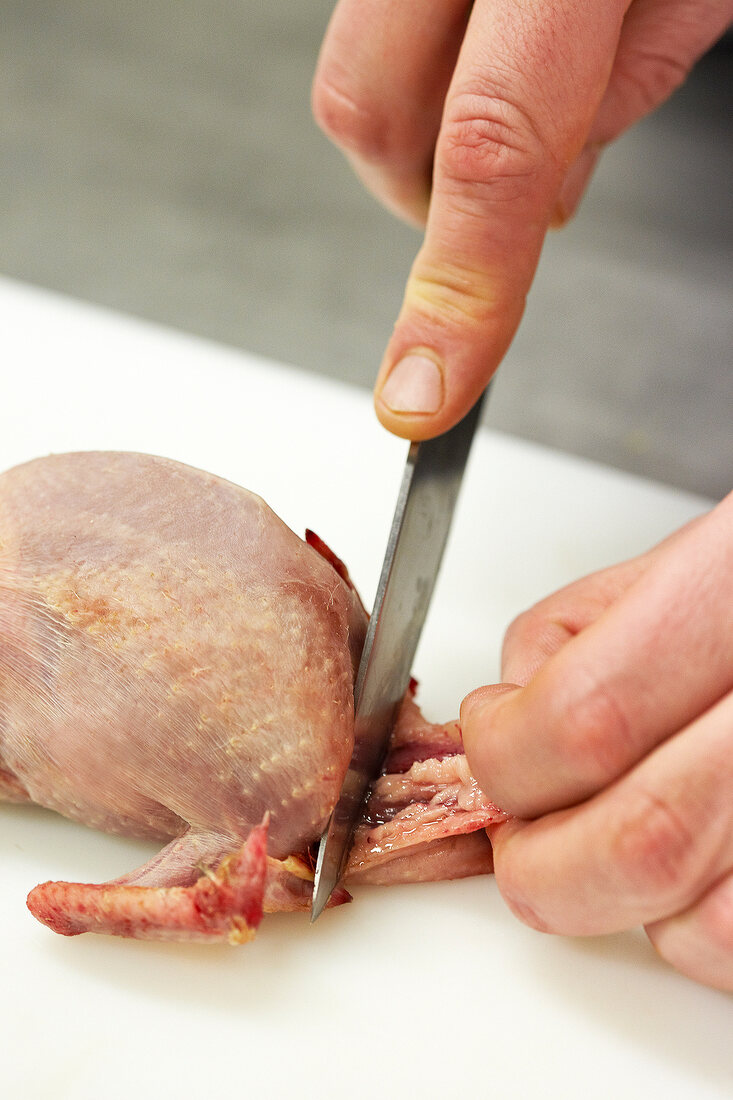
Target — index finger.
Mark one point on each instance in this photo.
(528, 81)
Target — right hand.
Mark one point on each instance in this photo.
(486, 127)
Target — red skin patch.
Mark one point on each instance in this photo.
(226, 904)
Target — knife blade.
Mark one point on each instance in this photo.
(422, 519)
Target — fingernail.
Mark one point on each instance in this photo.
(476, 719)
(415, 385)
(481, 696)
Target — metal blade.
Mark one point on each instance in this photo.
(422, 519)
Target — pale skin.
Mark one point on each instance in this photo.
(612, 738)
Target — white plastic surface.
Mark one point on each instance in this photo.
(428, 991)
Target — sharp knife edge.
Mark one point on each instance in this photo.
(422, 518)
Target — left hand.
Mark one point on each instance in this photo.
(616, 753)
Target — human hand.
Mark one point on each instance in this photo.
(616, 753)
(507, 111)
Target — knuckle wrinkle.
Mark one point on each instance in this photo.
(655, 847)
(596, 734)
(650, 76)
(717, 917)
(490, 142)
(452, 295)
(354, 125)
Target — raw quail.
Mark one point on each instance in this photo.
(177, 664)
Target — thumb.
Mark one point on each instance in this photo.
(523, 96)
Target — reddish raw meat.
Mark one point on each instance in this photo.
(175, 663)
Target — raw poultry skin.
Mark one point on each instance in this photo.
(176, 664)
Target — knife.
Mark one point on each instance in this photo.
(422, 519)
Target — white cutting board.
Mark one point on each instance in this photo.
(429, 991)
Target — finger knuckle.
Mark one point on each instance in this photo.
(716, 918)
(488, 142)
(594, 731)
(531, 632)
(451, 294)
(653, 848)
(354, 124)
(520, 631)
(699, 941)
(648, 76)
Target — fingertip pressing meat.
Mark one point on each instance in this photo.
(176, 664)
(426, 815)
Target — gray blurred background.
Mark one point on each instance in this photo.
(159, 158)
